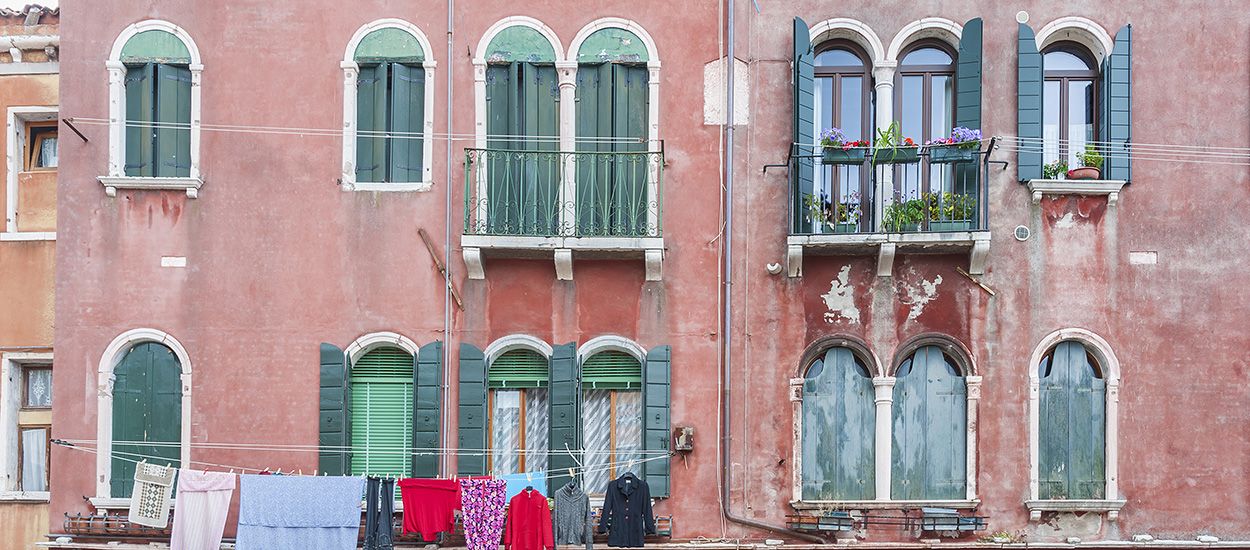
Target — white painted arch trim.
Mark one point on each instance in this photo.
(850, 29)
(611, 343)
(1111, 374)
(154, 25)
(350, 72)
(516, 341)
(1080, 30)
(109, 360)
(653, 53)
(374, 340)
(479, 55)
(930, 27)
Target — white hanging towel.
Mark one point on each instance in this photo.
(203, 502)
(149, 502)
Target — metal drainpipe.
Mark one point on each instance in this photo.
(727, 300)
(445, 441)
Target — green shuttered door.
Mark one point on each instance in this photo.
(381, 412)
(427, 418)
(472, 412)
(147, 408)
(803, 175)
(612, 102)
(1071, 437)
(565, 416)
(838, 429)
(522, 103)
(930, 429)
(1028, 105)
(657, 427)
(140, 103)
(335, 413)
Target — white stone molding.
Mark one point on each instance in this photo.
(14, 158)
(109, 360)
(479, 55)
(473, 262)
(653, 53)
(930, 27)
(351, 71)
(564, 264)
(796, 435)
(794, 260)
(611, 342)
(11, 391)
(979, 256)
(369, 342)
(883, 388)
(1108, 188)
(885, 259)
(654, 259)
(516, 341)
(849, 29)
(1083, 31)
(973, 384)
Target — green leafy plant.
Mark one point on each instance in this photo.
(952, 207)
(1055, 170)
(1090, 157)
(901, 214)
(821, 210)
(891, 137)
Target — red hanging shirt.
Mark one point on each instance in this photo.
(529, 522)
(429, 506)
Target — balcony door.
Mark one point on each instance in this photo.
(843, 92)
(522, 157)
(612, 160)
(925, 104)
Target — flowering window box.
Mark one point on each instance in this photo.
(838, 155)
(947, 154)
(897, 155)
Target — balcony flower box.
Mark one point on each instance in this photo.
(903, 227)
(838, 155)
(962, 146)
(950, 226)
(948, 154)
(843, 228)
(896, 155)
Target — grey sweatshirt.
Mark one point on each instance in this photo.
(571, 524)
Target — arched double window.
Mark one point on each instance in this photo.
(924, 103)
(147, 413)
(838, 422)
(929, 427)
(1072, 424)
(843, 90)
(1069, 102)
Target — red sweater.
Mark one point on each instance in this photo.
(529, 522)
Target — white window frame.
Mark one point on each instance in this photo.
(351, 70)
(105, 378)
(15, 153)
(12, 388)
(1111, 503)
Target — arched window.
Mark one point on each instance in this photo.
(1069, 102)
(924, 104)
(843, 90)
(929, 428)
(381, 412)
(147, 413)
(611, 417)
(156, 103)
(838, 420)
(518, 400)
(1072, 424)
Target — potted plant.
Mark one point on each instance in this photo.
(951, 212)
(904, 215)
(1055, 170)
(837, 149)
(961, 146)
(1091, 164)
(842, 217)
(893, 148)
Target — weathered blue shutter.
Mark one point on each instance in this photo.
(427, 379)
(173, 113)
(472, 414)
(1116, 117)
(408, 123)
(334, 406)
(140, 109)
(1028, 105)
(564, 439)
(802, 174)
(839, 421)
(371, 108)
(657, 423)
(968, 77)
(929, 425)
(1071, 437)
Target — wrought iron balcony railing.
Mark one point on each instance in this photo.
(563, 194)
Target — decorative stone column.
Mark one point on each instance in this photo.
(974, 398)
(883, 75)
(567, 71)
(883, 387)
(796, 425)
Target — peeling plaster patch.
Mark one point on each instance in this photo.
(839, 300)
(918, 296)
(1067, 221)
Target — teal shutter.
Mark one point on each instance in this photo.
(564, 440)
(472, 413)
(426, 420)
(1028, 105)
(140, 103)
(147, 408)
(334, 405)
(594, 161)
(839, 419)
(1117, 101)
(657, 428)
(1072, 434)
(968, 77)
(173, 112)
(407, 117)
(929, 425)
(371, 119)
(630, 91)
(382, 412)
(802, 174)
(502, 201)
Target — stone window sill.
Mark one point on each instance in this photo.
(1109, 507)
(27, 497)
(820, 505)
(28, 236)
(112, 183)
(415, 187)
(1109, 188)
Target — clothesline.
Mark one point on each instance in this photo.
(370, 449)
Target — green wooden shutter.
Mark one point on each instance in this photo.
(630, 92)
(803, 175)
(1117, 101)
(839, 418)
(594, 166)
(565, 417)
(426, 419)
(612, 370)
(968, 77)
(335, 412)
(147, 408)
(371, 119)
(930, 430)
(407, 116)
(173, 112)
(657, 428)
(1072, 434)
(472, 412)
(518, 368)
(1028, 105)
(501, 197)
(541, 173)
(140, 103)
(382, 412)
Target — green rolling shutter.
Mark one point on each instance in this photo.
(371, 87)
(657, 429)
(518, 368)
(140, 99)
(147, 408)
(1071, 438)
(381, 412)
(173, 107)
(803, 175)
(1116, 117)
(612, 370)
(472, 411)
(565, 417)
(335, 413)
(968, 77)
(407, 116)
(426, 420)
(1028, 105)
(839, 416)
(929, 424)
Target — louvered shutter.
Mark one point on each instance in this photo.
(802, 174)
(968, 77)
(657, 428)
(371, 123)
(382, 411)
(612, 370)
(518, 368)
(408, 123)
(472, 412)
(173, 113)
(426, 419)
(333, 458)
(565, 417)
(1028, 105)
(1116, 117)
(140, 109)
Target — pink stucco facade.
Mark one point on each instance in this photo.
(279, 259)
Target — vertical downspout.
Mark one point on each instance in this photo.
(727, 301)
(445, 441)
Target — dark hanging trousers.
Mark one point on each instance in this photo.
(379, 514)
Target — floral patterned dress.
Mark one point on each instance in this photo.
(482, 507)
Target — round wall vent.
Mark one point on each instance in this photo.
(1022, 17)
(1022, 233)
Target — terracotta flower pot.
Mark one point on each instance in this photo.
(1084, 173)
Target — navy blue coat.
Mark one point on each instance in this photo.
(627, 516)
